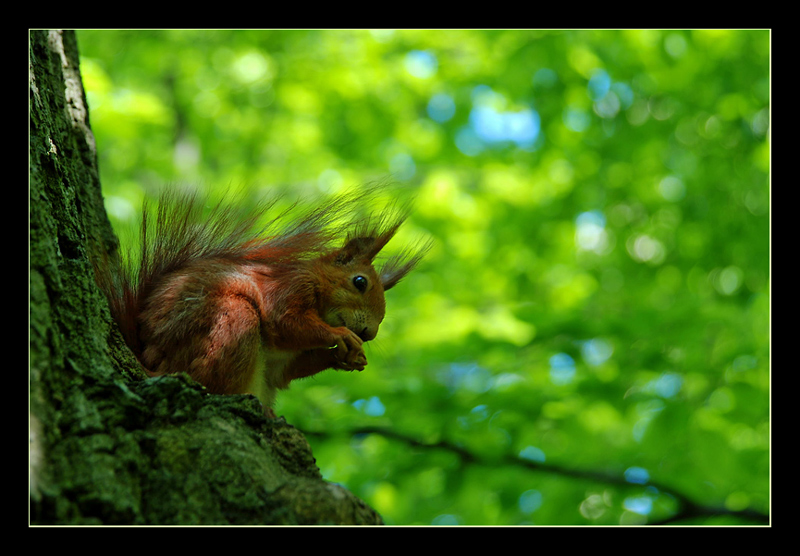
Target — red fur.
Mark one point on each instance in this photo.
(246, 311)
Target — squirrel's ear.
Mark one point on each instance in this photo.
(357, 248)
(400, 265)
(366, 246)
(390, 278)
(367, 238)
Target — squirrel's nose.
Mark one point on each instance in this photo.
(367, 334)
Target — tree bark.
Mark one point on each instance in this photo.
(108, 445)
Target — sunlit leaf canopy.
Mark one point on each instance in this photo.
(588, 340)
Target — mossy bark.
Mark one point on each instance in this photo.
(107, 444)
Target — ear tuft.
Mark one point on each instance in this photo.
(400, 265)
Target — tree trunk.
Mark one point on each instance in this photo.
(107, 444)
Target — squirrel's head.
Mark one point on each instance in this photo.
(356, 296)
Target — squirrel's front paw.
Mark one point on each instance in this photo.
(358, 364)
(349, 352)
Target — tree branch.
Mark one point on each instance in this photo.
(687, 509)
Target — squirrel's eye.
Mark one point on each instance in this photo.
(360, 283)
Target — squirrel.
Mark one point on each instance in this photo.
(247, 311)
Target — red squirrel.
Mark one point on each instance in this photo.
(243, 311)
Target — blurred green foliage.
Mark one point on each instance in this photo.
(598, 295)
